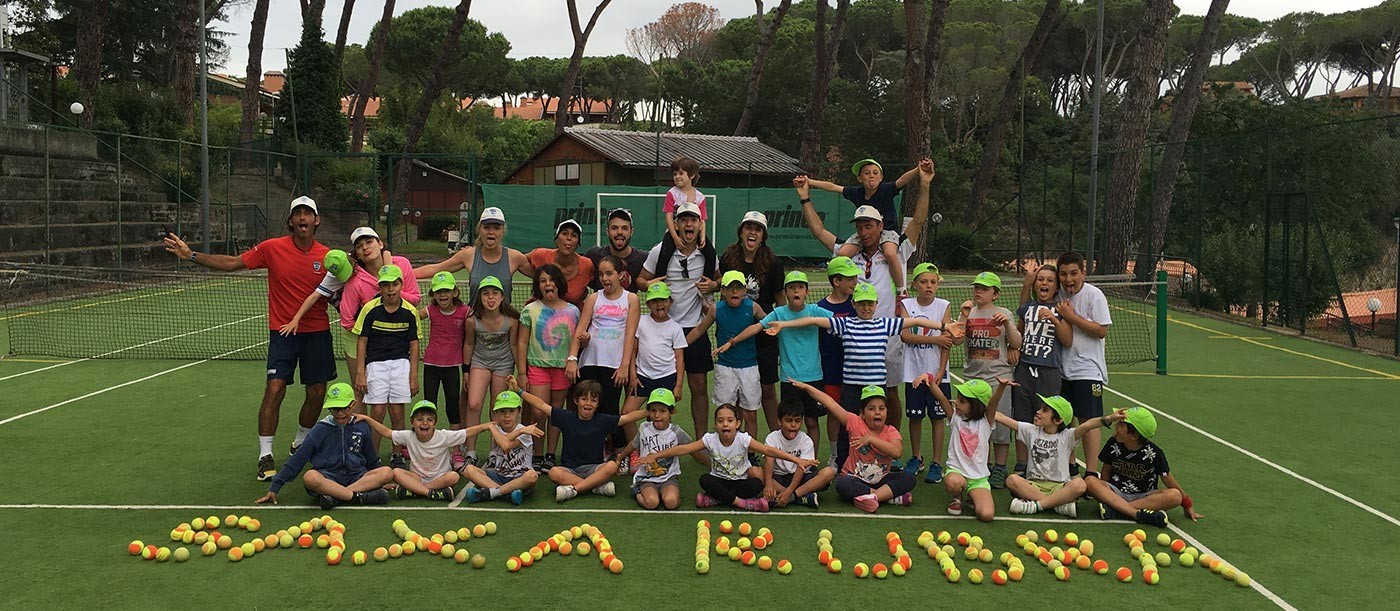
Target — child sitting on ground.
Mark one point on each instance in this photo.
(583, 466)
(344, 468)
(509, 471)
(782, 482)
(867, 479)
(967, 471)
(429, 451)
(1127, 486)
(1047, 482)
(658, 484)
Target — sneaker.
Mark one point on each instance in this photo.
(896, 465)
(517, 497)
(831, 462)
(1068, 510)
(1154, 518)
(1073, 469)
(935, 473)
(607, 489)
(328, 502)
(808, 500)
(402, 493)
(998, 477)
(472, 459)
(1023, 507)
(441, 494)
(373, 497)
(703, 500)
(548, 463)
(1020, 469)
(476, 495)
(903, 500)
(458, 460)
(538, 461)
(396, 461)
(292, 449)
(266, 468)
(1108, 513)
(955, 508)
(759, 504)
(564, 493)
(755, 459)
(624, 465)
(867, 503)
(914, 466)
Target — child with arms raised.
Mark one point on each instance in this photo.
(967, 472)
(658, 484)
(866, 478)
(582, 465)
(509, 471)
(429, 452)
(874, 191)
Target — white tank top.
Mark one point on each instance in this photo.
(606, 332)
(923, 358)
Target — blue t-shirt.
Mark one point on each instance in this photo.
(830, 346)
(583, 439)
(864, 343)
(798, 356)
(1040, 346)
(883, 200)
(728, 323)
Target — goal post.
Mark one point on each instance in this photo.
(601, 213)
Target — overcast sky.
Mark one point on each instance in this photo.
(541, 27)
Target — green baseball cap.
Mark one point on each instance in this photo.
(662, 396)
(1061, 406)
(855, 169)
(338, 264)
(339, 396)
(842, 266)
(443, 281)
(508, 399)
(865, 292)
(658, 290)
(491, 281)
(924, 268)
(871, 391)
(732, 276)
(975, 389)
(1142, 420)
(390, 273)
(424, 405)
(795, 276)
(988, 279)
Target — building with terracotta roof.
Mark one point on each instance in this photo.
(598, 111)
(1357, 96)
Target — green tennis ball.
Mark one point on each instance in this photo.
(1164, 539)
(181, 554)
(1164, 559)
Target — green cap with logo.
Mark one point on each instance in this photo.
(1061, 406)
(975, 389)
(339, 396)
(491, 282)
(338, 264)
(842, 266)
(989, 279)
(443, 281)
(795, 276)
(1142, 420)
(423, 406)
(732, 276)
(871, 391)
(924, 268)
(865, 292)
(508, 399)
(662, 396)
(855, 169)
(658, 290)
(390, 273)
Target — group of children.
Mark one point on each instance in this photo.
(1049, 352)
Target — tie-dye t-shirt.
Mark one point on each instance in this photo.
(551, 333)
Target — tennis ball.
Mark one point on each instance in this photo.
(615, 566)
(394, 551)
(834, 566)
(953, 575)
(1030, 549)
(1071, 555)
(200, 537)
(1187, 560)
(1100, 567)
(513, 564)
(1051, 536)
(824, 533)
(765, 563)
(134, 548)
(461, 556)
(479, 530)
(745, 529)
(243, 521)
(702, 566)
(436, 547)
(163, 554)
(224, 542)
(1086, 547)
(381, 554)
(860, 570)
(734, 553)
(211, 522)
(970, 553)
(230, 521)
(1062, 573)
(258, 545)
(985, 555)
(235, 554)
(1164, 539)
(271, 542)
(1163, 559)
(1124, 574)
(898, 569)
(974, 576)
(448, 550)
(450, 537)
(1129, 540)
(824, 557)
(305, 541)
(1218, 566)
(1140, 535)
(726, 527)
(187, 536)
(1022, 540)
(999, 577)
(582, 548)
(784, 567)
(287, 541)
(1054, 565)
(1178, 546)
(526, 559)
(535, 553)
(1151, 576)
(964, 539)
(478, 561)
(209, 548)
(1082, 562)
(197, 523)
(743, 543)
(333, 556)
(438, 538)
(1015, 573)
(359, 558)
(322, 541)
(748, 558)
(409, 548)
(760, 542)
(1228, 572)
(1193, 551)
(566, 548)
(490, 528)
(1136, 551)
(1242, 579)
(1071, 539)
(248, 549)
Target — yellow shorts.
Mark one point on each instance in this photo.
(350, 342)
(1047, 488)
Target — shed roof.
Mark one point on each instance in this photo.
(744, 154)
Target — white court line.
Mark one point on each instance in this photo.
(120, 350)
(125, 384)
(1253, 583)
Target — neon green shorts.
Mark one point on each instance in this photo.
(973, 483)
(1047, 487)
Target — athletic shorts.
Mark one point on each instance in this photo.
(645, 385)
(553, 377)
(785, 479)
(810, 407)
(339, 478)
(502, 480)
(387, 382)
(670, 482)
(313, 352)
(1032, 380)
(582, 471)
(973, 483)
(698, 357)
(1086, 396)
(894, 361)
(737, 386)
(768, 371)
(1128, 496)
(920, 402)
(1046, 488)
(352, 342)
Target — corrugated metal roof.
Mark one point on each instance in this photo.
(714, 153)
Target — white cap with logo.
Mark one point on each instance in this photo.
(493, 215)
(361, 232)
(687, 208)
(303, 201)
(867, 212)
(754, 216)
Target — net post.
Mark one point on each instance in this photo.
(598, 219)
(120, 244)
(1161, 322)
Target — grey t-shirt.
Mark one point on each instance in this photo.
(1050, 453)
(986, 345)
(1040, 346)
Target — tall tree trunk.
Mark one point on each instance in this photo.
(766, 34)
(933, 50)
(581, 34)
(1183, 111)
(346, 10)
(916, 135)
(996, 134)
(87, 65)
(252, 84)
(419, 118)
(825, 46)
(1123, 181)
(186, 49)
(362, 95)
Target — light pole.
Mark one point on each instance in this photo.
(936, 219)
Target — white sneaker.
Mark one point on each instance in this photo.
(1069, 510)
(564, 493)
(607, 489)
(1022, 506)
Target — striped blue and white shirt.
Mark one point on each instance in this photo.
(864, 344)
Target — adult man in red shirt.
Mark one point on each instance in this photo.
(294, 268)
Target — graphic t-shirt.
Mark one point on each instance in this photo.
(728, 461)
(605, 331)
(864, 343)
(799, 446)
(967, 445)
(1134, 471)
(583, 439)
(432, 458)
(865, 462)
(798, 357)
(1050, 453)
(651, 440)
(657, 343)
(920, 359)
(986, 344)
(1040, 346)
(829, 345)
(389, 335)
(292, 273)
(551, 333)
(517, 461)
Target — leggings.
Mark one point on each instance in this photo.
(611, 400)
(850, 486)
(451, 380)
(726, 490)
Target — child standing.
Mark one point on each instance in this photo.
(489, 338)
(658, 484)
(387, 353)
(875, 192)
(967, 472)
(992, 343)
(660, 352)
(842, 274)
(729, 482)
(1083, 365)
(926, 353)
(782, 482)
(1043, 332)
(543, 354)
(442, 361)
(684, 174)
(736, 371)
(429, 451)
(1131, 467)
(607, 330)
(1047, 483)
(584, 466)
(866, 477)
(509, 471)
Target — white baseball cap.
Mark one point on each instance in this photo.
(303, 201)
(558, 229)
(361, 232)
(687, 208)
(754, 216)
(867, 212)
(493, 215)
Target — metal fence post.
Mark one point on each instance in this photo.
(120, 254)
(1162, 322)
(179, 186)
(48, 185)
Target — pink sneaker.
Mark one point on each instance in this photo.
(903, 500)
(759, 504)
(458, 459)
(703, 500)
(955, 507)
(867, 503)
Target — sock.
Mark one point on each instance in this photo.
(264, 445)
(471, 453)
(1036, 506)
(494, 492)
(301, 435)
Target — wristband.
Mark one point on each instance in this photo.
(193, 254)
(805, 200)
(1186, 502)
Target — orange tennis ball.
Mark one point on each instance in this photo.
(513, 564)
(615, 566)
(784, 567)
(860, 570)
(904, 562)
(1124, 574)
(834, 566)
(745, 529)
(1100, 567)
(1082, 562)
(566, 548)
(880, 571)
(582, 548)
(1150, 576)
(1015, 572)
(765, 563)
(1062, 573)
(235, 554)
(760, 542)
(823, 557)
(999, 577)
(748, 558)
